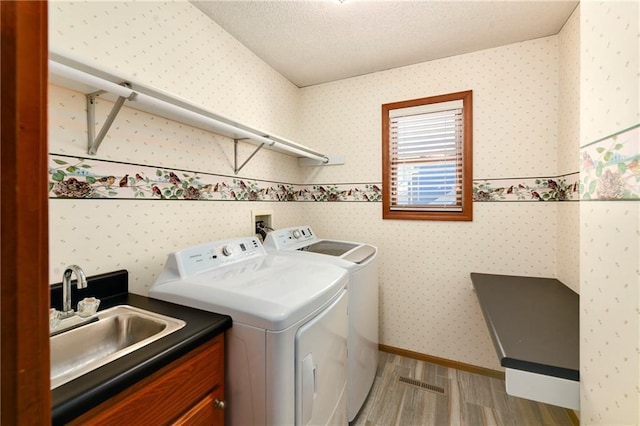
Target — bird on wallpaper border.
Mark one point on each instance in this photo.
(174, 179)
(107, 180)
(634, 166)
(587, 162)
(124, 181)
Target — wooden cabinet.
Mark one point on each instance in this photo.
(189, 391)
(209, 411)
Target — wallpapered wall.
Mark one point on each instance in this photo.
(568, 218)
(525, 98)
(174, 47)
(515, 97)
(427, 302)
(610, 213)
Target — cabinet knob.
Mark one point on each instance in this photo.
(219, 404)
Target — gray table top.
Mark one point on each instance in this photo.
(534, 323)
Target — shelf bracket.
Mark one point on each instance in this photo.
(236, 169)
(93, 140)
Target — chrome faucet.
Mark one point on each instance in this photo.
(67, 311)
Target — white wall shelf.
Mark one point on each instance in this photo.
(94, 83)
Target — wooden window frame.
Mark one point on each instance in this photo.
(467, 161)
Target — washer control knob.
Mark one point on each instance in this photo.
(227, 251)
(296, 234)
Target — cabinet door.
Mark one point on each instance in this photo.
(209, 411)
(167, 393)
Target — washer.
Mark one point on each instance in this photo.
(286, 353)
(360, 260)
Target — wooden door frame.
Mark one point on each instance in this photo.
(25, 396)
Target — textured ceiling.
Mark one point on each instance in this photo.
(313, 42)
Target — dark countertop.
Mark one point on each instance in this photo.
(534, 323)
(80, 395)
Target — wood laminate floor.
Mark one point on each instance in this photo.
(450, 397)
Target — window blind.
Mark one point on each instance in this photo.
(426, 157)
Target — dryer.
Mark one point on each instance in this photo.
(360, 260)
(286, 353)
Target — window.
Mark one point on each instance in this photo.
(426, 158)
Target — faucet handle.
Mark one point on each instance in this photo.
(88, 306)
(54, 318)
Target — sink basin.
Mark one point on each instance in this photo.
(116, 332)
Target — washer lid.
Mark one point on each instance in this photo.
(352, 252)
(302, 238)
(332, 248)
(271, 292)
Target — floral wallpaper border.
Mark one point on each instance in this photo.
(556, 188)
(610, 167)
(76, 178)
(72, 177)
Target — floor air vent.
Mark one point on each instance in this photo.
(421, 385)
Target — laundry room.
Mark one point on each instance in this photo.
(549, 112)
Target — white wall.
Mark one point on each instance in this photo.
(609, 230)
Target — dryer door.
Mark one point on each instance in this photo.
(321, 367)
